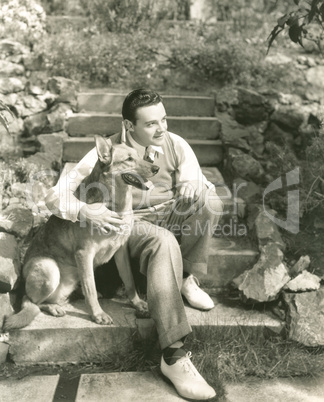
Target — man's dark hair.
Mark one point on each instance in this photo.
(138, 98)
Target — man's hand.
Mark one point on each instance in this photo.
(190, 191)
(102, 217)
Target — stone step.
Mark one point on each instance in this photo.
(75, 338)
(208, 152)
(174, 105)
(88, 124)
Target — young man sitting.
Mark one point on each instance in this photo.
(168, 236)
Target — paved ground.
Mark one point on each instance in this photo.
(149, 387)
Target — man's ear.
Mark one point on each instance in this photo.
(128, 125)
(104, 149)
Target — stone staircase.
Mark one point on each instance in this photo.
(74, 338)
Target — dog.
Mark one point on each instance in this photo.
(65, 253)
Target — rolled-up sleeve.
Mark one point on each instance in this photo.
(188, 168)
(60, 199)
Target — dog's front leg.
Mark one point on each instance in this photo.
(125, 272)
(84, 261)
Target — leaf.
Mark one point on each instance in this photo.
(295, 33)
(282, 20)
(274, 33)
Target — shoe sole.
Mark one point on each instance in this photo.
(167, 379)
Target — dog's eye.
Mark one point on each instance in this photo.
(130, 159)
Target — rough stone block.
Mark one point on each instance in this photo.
(9, 262)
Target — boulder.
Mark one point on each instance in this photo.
(66, 89)
(9, 69)
(16, 220)
(304, 282)
(247, 190)
(305, 317)
(47, 122)
(315, 78)
(252, 107)
(29, 105)
(226, 98)
(278, 59)
(277, 135)
(233, 133)
(267, 231)
(288, 117)
(12, 84)
(299, 266)
(6, 307)
(245, 166)
(265, 280)
(12, 48)
(9, 262)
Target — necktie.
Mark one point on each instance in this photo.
(149, 154)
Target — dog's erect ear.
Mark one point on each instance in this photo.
(104, 149)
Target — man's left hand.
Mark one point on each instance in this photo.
(190, 191)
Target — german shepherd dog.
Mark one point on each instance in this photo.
(65, 253)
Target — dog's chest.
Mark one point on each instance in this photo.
(108, 244)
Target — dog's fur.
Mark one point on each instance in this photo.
(64, 253)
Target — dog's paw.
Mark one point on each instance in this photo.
(54, 309)
(102, 318)
(141, 309)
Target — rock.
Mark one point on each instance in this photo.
(252, 107)
(32, 62)
(9, 69)
(278, 58)
(29, 105)
(245, 166)
(304, 282)
(247, 190)
(300, 266)
(256, 138)
(11, 84)
(9, 262)
(233, 133)
(56, 117)
(226, 97)
(265, 280)
(288, 117)
(306, 61)
(315, 78)
(38, 79)
(6, 307)
(11, 48)
(16, 220)
(305, 317)
(277, 135)
(289, 99)
(66, 89)
(267, 231)
(47, 122)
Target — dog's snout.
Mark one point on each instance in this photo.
(155, 169)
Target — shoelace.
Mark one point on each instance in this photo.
(187, 365)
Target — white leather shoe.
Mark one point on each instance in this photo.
(195, 296)
(186, 379)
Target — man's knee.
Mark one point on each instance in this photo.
(212, 204)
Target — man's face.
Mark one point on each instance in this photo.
(150, 126)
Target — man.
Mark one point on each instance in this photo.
(177, 208)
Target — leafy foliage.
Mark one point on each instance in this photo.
(23, 20)
(297, 21)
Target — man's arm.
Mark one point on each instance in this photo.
(189, 177)
(62, 202)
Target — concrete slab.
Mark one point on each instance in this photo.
(74, 337)
(208, 152)
(87, 124)
(121, 387)
(278, 390)
(175, 105)
(29, 389)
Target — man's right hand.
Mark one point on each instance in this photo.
(102, 217)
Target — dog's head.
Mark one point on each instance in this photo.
(119, 160)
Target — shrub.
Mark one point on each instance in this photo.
(23, 20)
